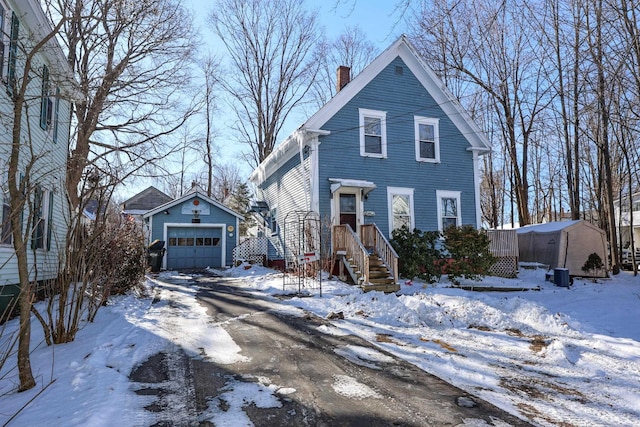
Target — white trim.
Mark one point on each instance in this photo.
(314, 174)
(189, 196)
(476, 188)
(446, 194)
(419, 120)
(335, 205)
(400, 191)
(223, 243)
(382, 116)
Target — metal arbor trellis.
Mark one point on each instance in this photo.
(302, 250)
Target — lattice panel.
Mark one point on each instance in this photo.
(505, 267)
(253, 250)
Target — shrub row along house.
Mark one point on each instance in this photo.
(44, 142)
(393, 147)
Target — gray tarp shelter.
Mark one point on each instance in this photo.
(564, 244)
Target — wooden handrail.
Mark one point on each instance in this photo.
(346, 240)
(373, 239)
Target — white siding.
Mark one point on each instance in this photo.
(50, 158)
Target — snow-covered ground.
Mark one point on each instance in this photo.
(558, 356)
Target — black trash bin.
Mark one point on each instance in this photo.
(561, 277)
(155, 255)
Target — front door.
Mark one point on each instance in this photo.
(347, 208)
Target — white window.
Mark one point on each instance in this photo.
(448, 209)
(400, 208)
(273, 221)
(373, 133)
(427, 139)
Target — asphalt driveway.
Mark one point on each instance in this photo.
(324, 386)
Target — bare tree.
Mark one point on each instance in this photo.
(351, 49)
(491, 47)
(270, 45)
(209, 66)
(131, 61)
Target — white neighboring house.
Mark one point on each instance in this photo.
(628, 222)
(45, 132)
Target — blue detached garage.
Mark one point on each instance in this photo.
(198, 232)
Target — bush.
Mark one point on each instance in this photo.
(120, 257)
(468, 249)
(419, 253)
(593, 263)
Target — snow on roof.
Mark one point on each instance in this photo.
(548, 227)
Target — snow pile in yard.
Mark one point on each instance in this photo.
(558, 356)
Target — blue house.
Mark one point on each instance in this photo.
(198, 232)
(393, 147)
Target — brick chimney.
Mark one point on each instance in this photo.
(344, 77)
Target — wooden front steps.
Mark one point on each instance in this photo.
(369, 258)
(380, 278)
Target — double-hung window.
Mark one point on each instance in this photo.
(400, 208)
(373, 133)
(448, 209)
(427, 139)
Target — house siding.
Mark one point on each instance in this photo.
(286, 190)
(48, 170)
(402, 97)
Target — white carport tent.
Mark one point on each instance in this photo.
(564, 244)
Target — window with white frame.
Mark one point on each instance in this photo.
(448, 209)
(373, 133)
(400, 208)
(427, 139)
(41, 219)
(6, 236)
(273, 221)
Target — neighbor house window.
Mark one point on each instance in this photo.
(13, 52)
(400, 208)
(42, 215)
(45, 102)
(373, 133)
(427, 139)
(6, 238)
(2, 41)
(56, 117)
(448, 209)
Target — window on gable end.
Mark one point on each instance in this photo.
(427, 137)
(373, 133)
